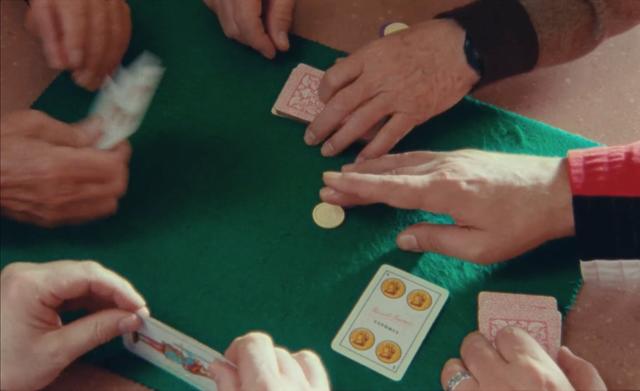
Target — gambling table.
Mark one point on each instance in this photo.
(216, 230)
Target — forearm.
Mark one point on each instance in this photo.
(569, 29)
(605, 183)
(516, 36)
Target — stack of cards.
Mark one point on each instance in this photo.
(176, 353)
(391, 319)
(537, 315)
(299, 99)
(123, 101)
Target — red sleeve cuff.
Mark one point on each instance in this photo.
(605, 171)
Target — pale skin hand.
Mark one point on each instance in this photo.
(407, 77)
(502, 204)
(35, 345)
(262, 24)
(51, 175)
(518, 362)
(87, 37)
(263, 366)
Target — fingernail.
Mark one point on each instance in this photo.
(129, 324)
(360, 159)
(407, 242)
(283, 40)
(92, 127)
(75, 56)
(309, 137)
(331, 175)
(327, 149)
(327, 192)
(348, 167)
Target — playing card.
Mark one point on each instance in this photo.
(542, 323)
(123, 101)
(173, 351)
(511, 299)
(299, 98)
(389, 322)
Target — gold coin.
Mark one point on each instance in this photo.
(388, 352)
(394, 28)
(419, 300)
(362, 339)
(392, 287)
(328, 216)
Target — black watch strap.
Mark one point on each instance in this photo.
(502, 34)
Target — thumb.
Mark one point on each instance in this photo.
(279, 20)
(226, 378)
(89, 332)
(80, 135)
(581, 373)
(452, 240)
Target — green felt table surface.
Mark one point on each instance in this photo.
(216, 229)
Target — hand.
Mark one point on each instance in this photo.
(51, 175)
(261, 366)
(261, 24)
(502, 204)
(518, 362)
(35, 345)
(408, 77)
(87, 37)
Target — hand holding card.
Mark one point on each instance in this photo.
(537, 315)
(175, 352)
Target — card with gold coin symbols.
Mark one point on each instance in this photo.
(390, 321)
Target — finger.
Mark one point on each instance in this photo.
(480, 357)
(120, 26)
(80, 336)
(336, 111)
(395, 190)
(515, 344)
(255, 357)
(452, 240)
(227, 21)
(45, 19)
(359, 122)
(279, 19)
(388, 163)
(288, 366)
(390, 134)
(247, 16)
(73, 22)
(77, 212)
(313, 369)
(96, 44)
(453, 367)
(581, 373)
(226, 378)
(41, 199)
(49, 129)
(339, 76)
(67, 280)
(334, 197)
(106, 62)
(122, 151)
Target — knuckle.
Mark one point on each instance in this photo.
(100, 333)
(308, 355)
(16, 281)
(470, 344)
(91, 267)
